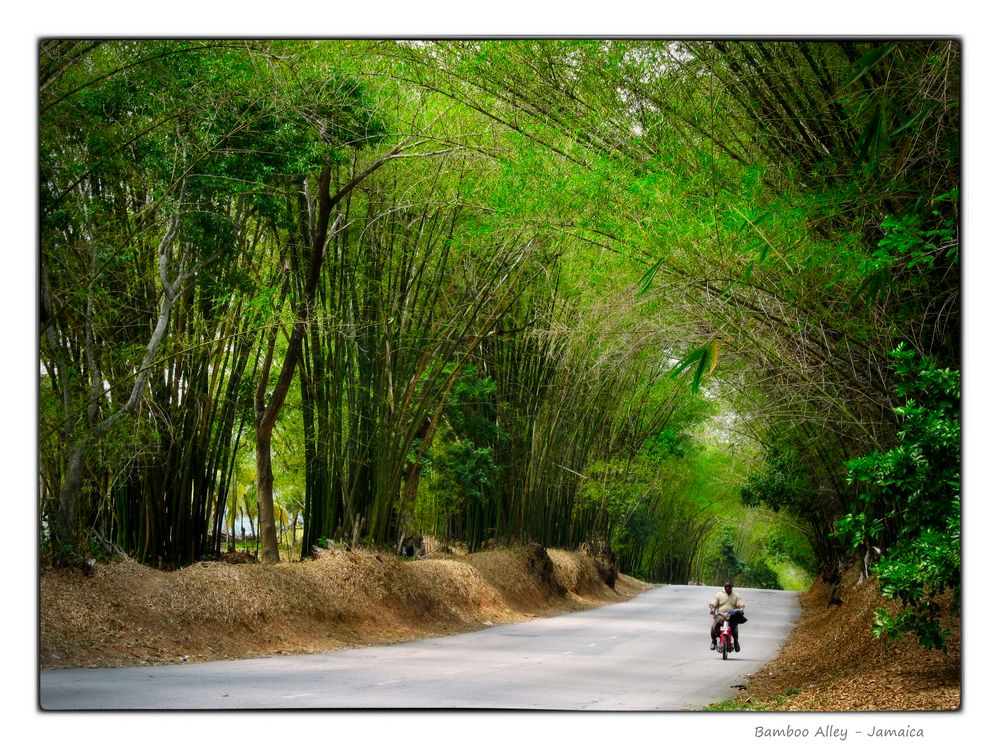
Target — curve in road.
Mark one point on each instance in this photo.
(647, 654)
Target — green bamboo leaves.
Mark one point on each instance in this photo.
(703, 359)
(647, 277)
(551, 215)
(863, 66)
(873, 142)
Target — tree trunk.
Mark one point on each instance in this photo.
(266, 414)
(65, 525)
(265, 498)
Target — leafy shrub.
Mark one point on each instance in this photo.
(908, 504)
(783, 545)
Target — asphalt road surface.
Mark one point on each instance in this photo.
(647, 654)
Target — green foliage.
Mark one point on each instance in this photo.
(769, 703)
(653, 502)
(914, 574)
(781, 484)
(460, 464)
(571, 216)
(465, 473)
(471, 406)
(666, 444)
(784, 546)
(736, 556)
(731, 566)
(760, 575)
(703, 359)
(909, 243)
(625, 495)
(135, 136)
(788, 553)
(908, 502)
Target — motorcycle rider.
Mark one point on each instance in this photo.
(725, 602)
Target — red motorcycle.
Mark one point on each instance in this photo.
(726, 644)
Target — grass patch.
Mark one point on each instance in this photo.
(771, 703)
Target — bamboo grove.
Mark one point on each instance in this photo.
(493, 291)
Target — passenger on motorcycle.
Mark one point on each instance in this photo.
(726, 602)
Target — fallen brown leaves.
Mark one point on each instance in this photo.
(831, 662)
(127, 614)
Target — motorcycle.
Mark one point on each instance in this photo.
(726, 643)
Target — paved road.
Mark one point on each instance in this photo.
(649, 653)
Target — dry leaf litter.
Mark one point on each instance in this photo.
(128, 614)
(831, 662)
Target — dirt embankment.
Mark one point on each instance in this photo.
(126, 614)
(831, 662)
